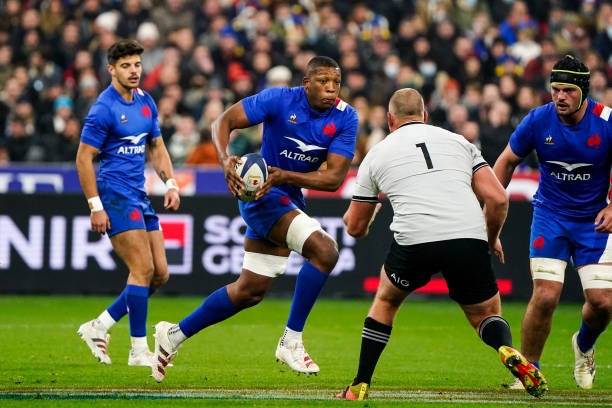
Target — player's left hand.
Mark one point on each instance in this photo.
(603, 221)
(172, 200)
(275, 178)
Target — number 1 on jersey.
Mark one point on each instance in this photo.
(425, 154)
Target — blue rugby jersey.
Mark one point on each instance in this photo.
(120, 130)
(296, 137)
(574, 160)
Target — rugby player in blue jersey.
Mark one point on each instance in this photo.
(119, 125)
(304, 127)
(572, 217)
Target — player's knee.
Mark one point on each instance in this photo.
(160, 277)
(247, 297)
(143, 273)
(602, 305)
(387, 301)
(328, 257)
(545, 300)
(323, 252)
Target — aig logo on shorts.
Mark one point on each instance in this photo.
(178, 241)
(399, 281)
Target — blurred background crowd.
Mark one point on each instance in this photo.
(480, 64)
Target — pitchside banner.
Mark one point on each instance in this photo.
(46, 246)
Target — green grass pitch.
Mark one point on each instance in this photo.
(433, 358)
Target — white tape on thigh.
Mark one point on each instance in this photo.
(300, 229)
(548, 269)
(596, 276)
(263, 264)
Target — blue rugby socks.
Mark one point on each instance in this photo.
(137, 298)
(117, 309)
(587, 337)
(308, 286)
(216, 307)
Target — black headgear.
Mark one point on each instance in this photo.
(570, 71)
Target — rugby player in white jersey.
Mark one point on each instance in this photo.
(433, 179)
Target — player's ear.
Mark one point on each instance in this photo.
(390, 120)
(425, 116)
(110, 68)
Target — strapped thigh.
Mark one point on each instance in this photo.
(596, 276)
(301, 227)
(264, 264)
(548, 269)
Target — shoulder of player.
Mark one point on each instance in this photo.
(342, 106)
(601, 111)
(102, 105)
(139, 92)
(541, 111)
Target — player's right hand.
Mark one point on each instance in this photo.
(100, 222)
(234, 182)
(498, 250)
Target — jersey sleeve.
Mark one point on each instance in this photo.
(344, 142)
(96, 126)
(478, 162)
(366, 188)
(263, 104)
(155, 130)
(521, 140)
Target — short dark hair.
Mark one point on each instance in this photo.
(320, 62)
(123, 48)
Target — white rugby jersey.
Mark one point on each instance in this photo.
(426, 172)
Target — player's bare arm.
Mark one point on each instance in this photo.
(160, 159)
(87, 176)
(359, 217)
(233, 118)
(505, 165)
(488, 188)
(324, 179)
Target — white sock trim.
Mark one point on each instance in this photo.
(106, 320)
(176, 335)
(139, 343)
(290, 336)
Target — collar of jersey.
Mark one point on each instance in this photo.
(306, 106)
(414, 122)
(120, 98)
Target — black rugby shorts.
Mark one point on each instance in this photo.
(464, 263)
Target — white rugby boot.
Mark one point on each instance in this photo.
(292, 353)
(516, 385)
(165, 351)
(584, 365)
(141, 358)
(97, 339)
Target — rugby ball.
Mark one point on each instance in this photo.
(253, 170)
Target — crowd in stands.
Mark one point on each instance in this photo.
(480, 64)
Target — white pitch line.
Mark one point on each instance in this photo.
(468, 396)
